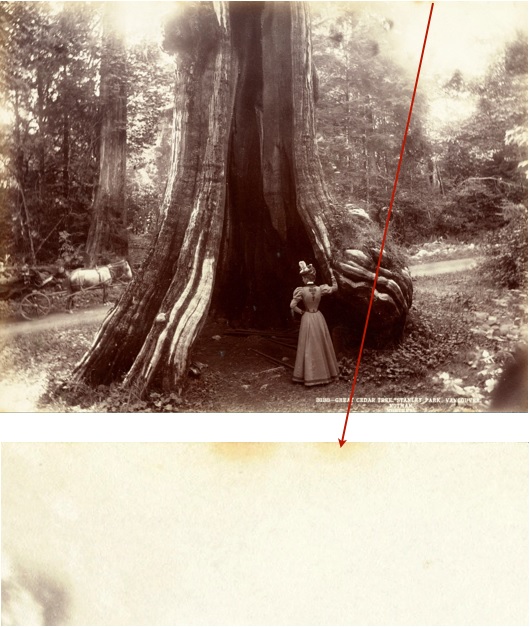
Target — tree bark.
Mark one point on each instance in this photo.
(150, 331)
(26, 224)
(245, 201)
(108, 227)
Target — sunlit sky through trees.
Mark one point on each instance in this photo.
(465, 36)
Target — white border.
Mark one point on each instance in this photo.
(256, 427)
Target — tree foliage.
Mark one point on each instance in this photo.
(362, 112)
(483, 161)
(150, 113)
(50, 129)
(456, 180)
(49, 81)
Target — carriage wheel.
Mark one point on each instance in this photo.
(35, 305)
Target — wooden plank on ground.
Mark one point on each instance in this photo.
(273, 359)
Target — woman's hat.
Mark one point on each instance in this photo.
(307, 270)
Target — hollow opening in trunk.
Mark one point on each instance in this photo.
(263, 235)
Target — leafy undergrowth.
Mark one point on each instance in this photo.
(459, 335)
(464, 336)
(108, 399)
(31, 363)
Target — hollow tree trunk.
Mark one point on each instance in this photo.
(245, 201)
(108, 226)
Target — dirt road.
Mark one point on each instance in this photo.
(55, 321)
(98, 313)
(444, 267)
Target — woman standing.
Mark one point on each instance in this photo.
(316, 363)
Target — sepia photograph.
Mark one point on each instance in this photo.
(264, 534)
(263, 207)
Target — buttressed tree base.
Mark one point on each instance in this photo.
(245, 200)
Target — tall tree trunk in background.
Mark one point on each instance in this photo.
(435, 177)
(27, 226)
(66, 143)
(368, 156)
(108, 227)
(42, 134)
(245, 201)
(19, 173)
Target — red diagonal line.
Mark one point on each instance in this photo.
(386, 228)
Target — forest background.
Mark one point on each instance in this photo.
(464, 175)
(464, 171)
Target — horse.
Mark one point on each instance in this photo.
(98, 277)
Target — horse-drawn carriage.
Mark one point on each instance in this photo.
(35, 290)
(30, 290)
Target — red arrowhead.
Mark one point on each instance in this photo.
(342, 443)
